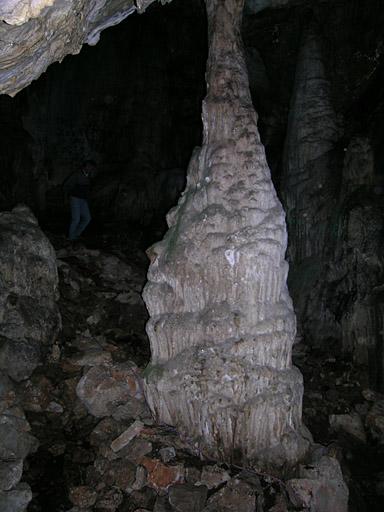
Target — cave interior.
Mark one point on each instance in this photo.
(132, 104)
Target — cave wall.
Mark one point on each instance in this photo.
(132, 104)
(321, 125)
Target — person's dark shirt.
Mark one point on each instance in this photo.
(78, 185)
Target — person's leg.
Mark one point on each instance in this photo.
(75, 217)
(85, 217)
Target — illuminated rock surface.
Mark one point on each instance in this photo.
(222, 323)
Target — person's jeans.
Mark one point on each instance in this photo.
(81, 217)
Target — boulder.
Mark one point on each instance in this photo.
(187, 498)
(236, 495)
(29, 315)
(321, 487)
(10, 474)
(15, 440)
(16, 500)
(103, 388)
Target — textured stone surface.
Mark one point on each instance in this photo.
(29, 324)
(321, 487)
(237, 495)
(127, 436)
(16, 442)
(213, 476)
(187, 498)
(162, 476)
(352, 424)
(222, 323)
(17, 12)
(29, 317)
(103, 388)
(16, 500)
(7, 392)
(10, 474)
(82, 496)
(58, 30)
(334, 219)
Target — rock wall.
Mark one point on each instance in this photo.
(56, 29)
(222, 323)
(137, 120)
(29, 323)
(331, 192)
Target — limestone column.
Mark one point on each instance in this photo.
(221, 320)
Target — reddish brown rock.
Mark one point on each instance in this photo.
(162, 476)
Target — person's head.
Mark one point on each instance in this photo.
(89, 167)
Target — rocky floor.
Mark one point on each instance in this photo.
(99, 448)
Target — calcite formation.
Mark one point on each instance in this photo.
(221, 320)
(17, 12)
(332, 199)
(36, 33)
(312, 133)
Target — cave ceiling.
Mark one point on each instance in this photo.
(36, 33)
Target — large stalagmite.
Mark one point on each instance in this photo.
(221, 320)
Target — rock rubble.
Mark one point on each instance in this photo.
(112, 456)
(29, 325)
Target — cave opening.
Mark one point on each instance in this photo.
(133, 104)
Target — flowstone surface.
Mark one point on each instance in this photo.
(221, 320)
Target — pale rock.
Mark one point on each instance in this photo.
(17, 12)
(132, 409)
(29, 315)
(39, 32)
(321, 487)
(127, 436)
(95, 357)
(350, 423)
(213, 476)
(15, 440)
(136, 450)
(10, 474)
(140, 478)
(16, 500)
(221, 322)
(103, 388)
(167, 454)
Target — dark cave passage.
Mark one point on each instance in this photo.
(133, 105)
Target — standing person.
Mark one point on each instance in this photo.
(77, 186)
